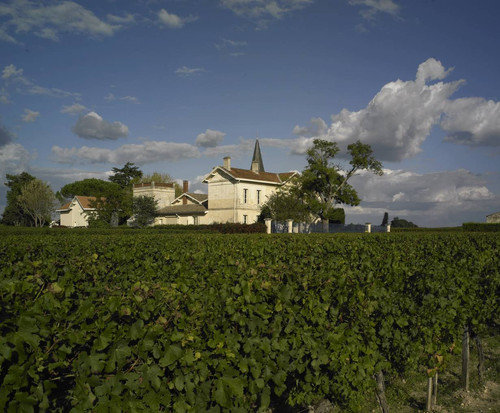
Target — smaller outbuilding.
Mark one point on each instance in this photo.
(75, 213)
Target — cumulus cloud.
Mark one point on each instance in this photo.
(172, 21)
(5, 136)
(29, 116)
(93, 126)
(473, 122)
(146, 152)
(401, 115)
(189, 71)
(440, 198)
(317, 126)
(210, 138)
(14, 158)
(52, 18)
(73, 109)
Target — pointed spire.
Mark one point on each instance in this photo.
(257, 164)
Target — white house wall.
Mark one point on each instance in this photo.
(75, 217)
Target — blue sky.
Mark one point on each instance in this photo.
(176, 85)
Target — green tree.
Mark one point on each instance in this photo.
(402, 223)
(14, 213)
(124, 176)
(37, 200)
(113, 204)
(88, 187)
(324, 184)
(385, 220)
(286, 204)
(144, 209)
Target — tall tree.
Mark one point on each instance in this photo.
(14, 213)
(324, 184)
(124, 176)
(37, 200)
(286, 204)
(385, 220)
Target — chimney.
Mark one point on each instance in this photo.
(185, 188)
(227, 163)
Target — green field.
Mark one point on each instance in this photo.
(149, 320)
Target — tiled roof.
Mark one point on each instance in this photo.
(85, 202)
(277, 178)
(198, 197)
(189, 209)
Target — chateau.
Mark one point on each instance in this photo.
(234, 195)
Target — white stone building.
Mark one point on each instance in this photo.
(234, 195)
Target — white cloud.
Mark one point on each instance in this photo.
(401, 115)
(189, 71)
(73, 109)
(11, 71)
(30, 116)
(14, 158)
(317, 126)
(473, 122)
(111, 97)
(146, 152)
(210, 138)
(262, 11)
(52, 18)
(372, 7)
(438, 199)
(53, 92)
(93, 126)
(172, 21)
(5, 136)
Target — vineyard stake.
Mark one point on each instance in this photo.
(435, 390)
(465, 359)
(382, 401)
(480, 362)
(429, 394)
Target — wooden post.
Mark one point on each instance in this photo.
(480, 357)
(435, 390)
(465, 359)
(429, 394)
(382, 401)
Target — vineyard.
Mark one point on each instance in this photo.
(138, 320)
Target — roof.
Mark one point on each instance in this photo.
(84, 201)
(199, 198)
(189, 209)
(248, 175)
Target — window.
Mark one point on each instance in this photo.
(258, 196)
(245, 193)
(245, 219)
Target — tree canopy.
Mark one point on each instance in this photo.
(324, 184)
(144, 209)
(402, 223)
(13, 213)
(88, 187)
(124, 176)
(37, 200)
